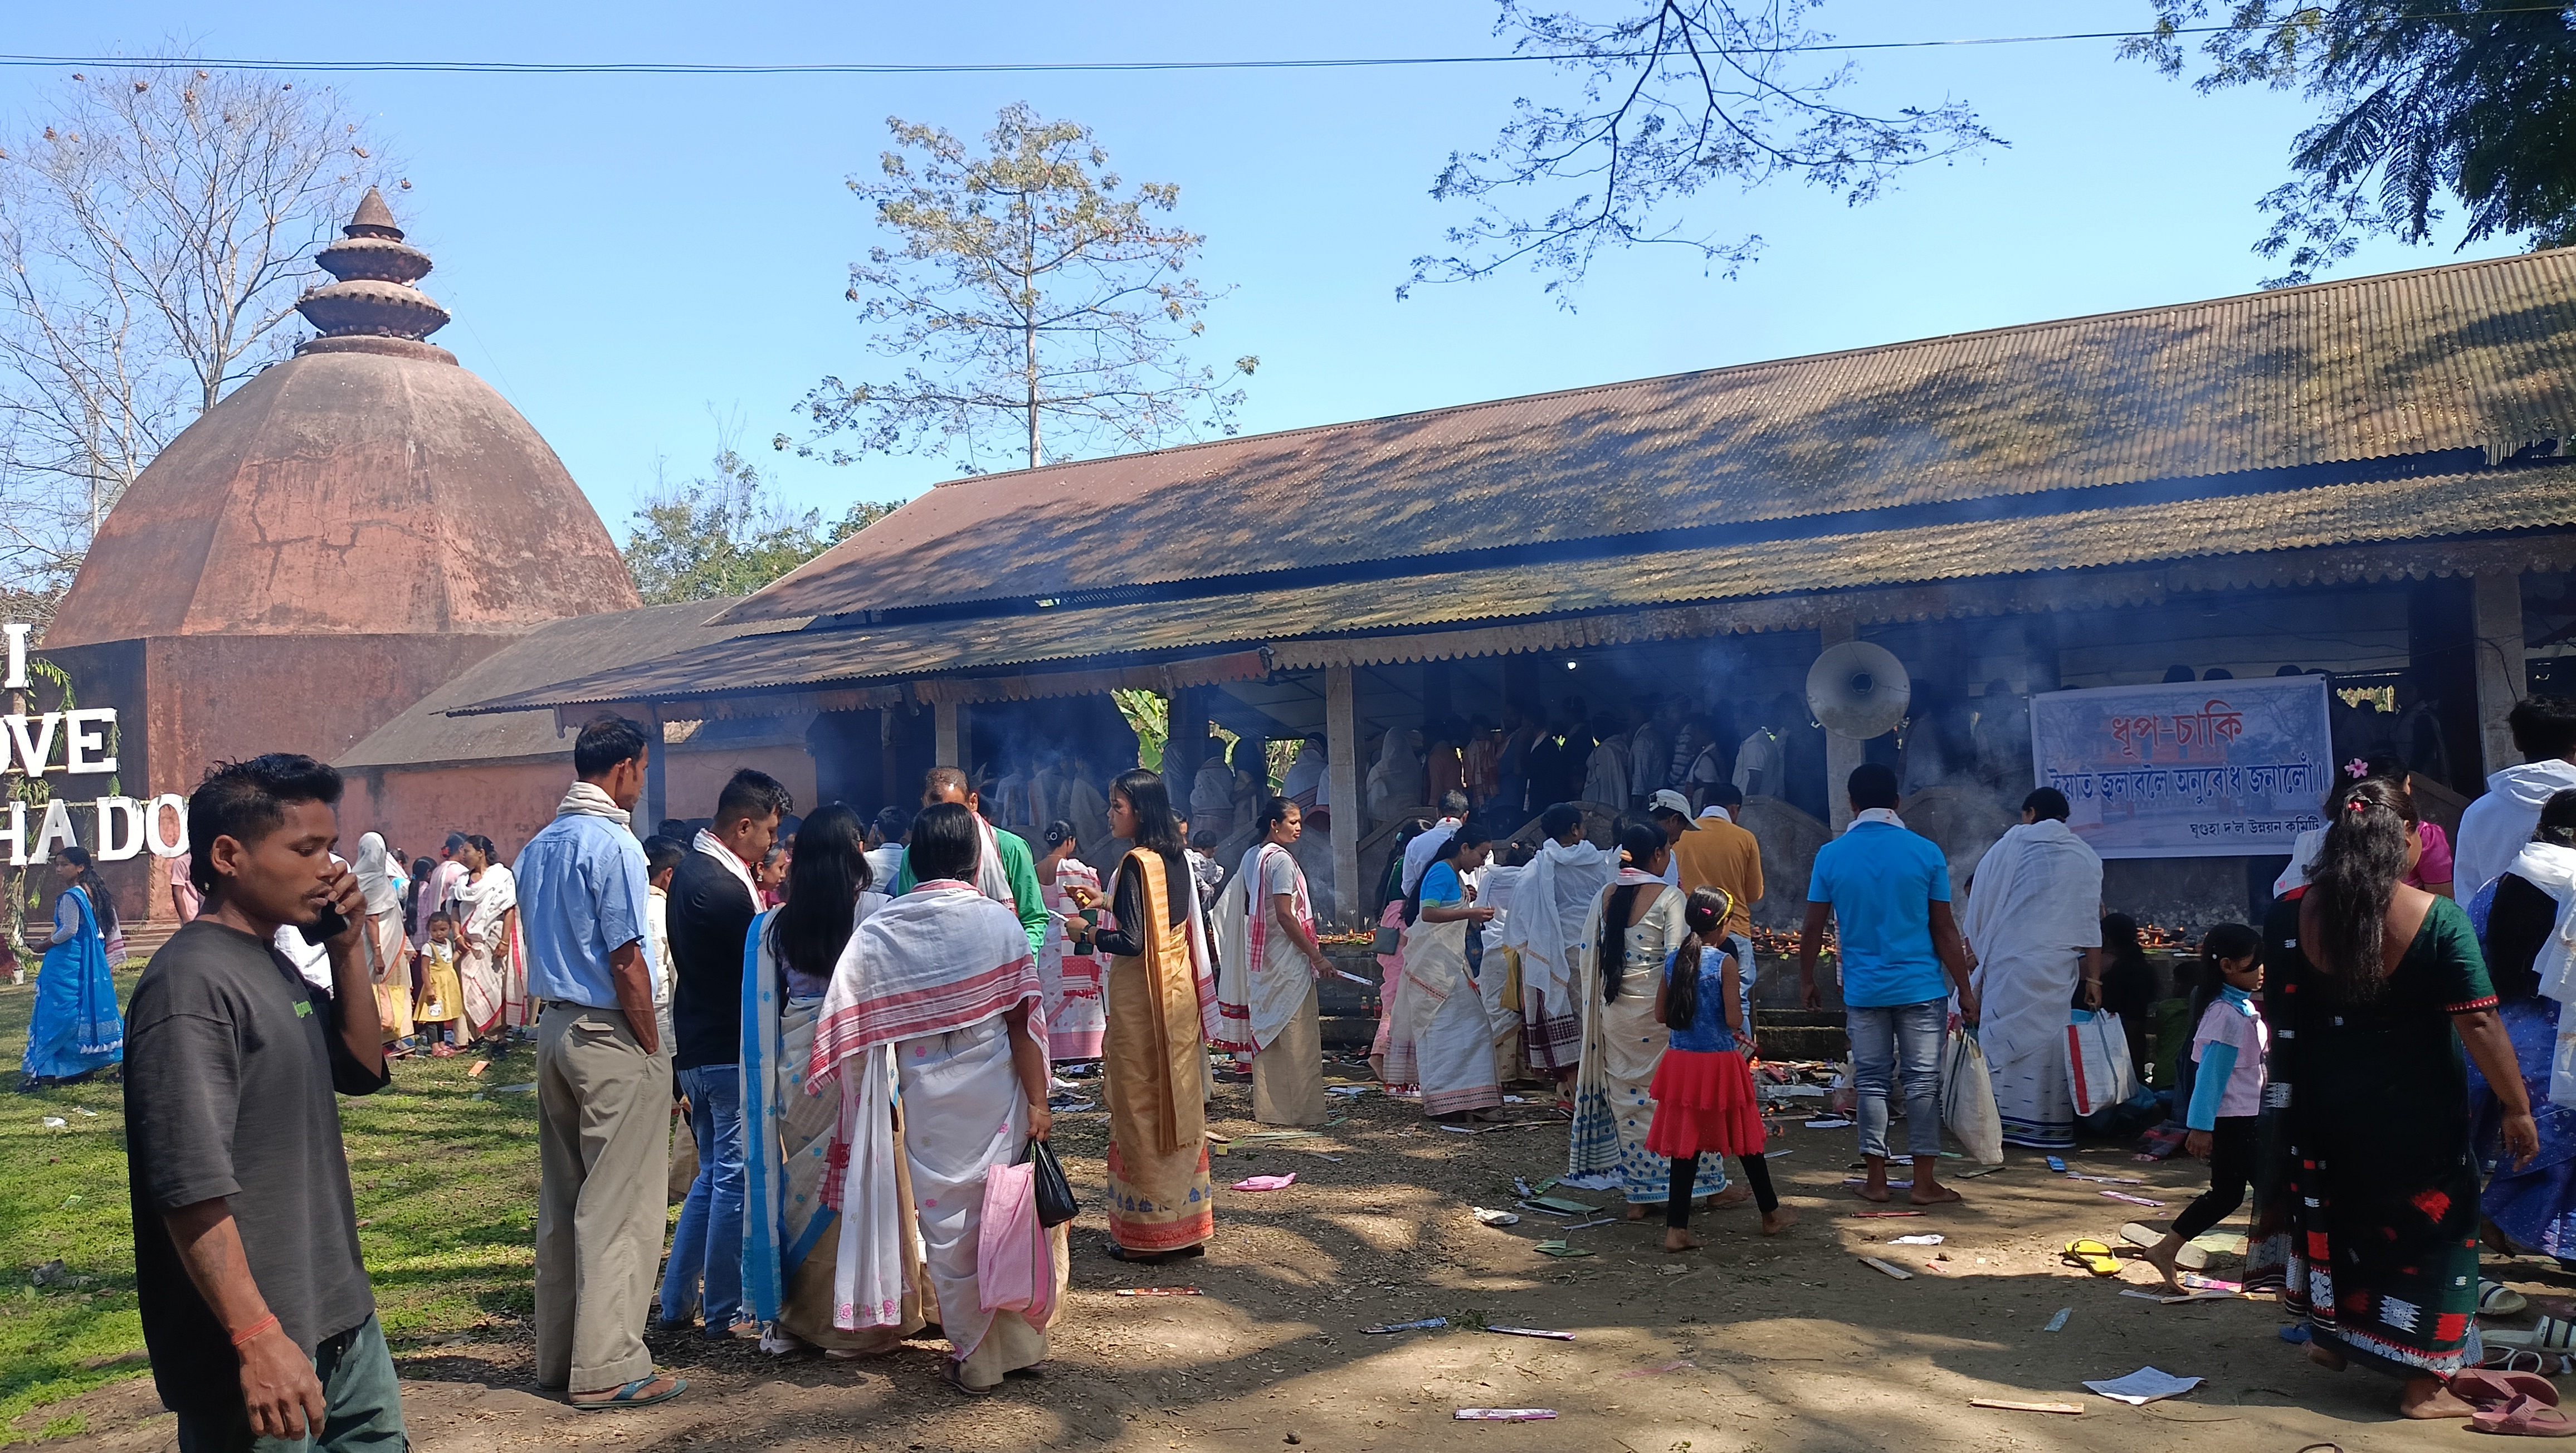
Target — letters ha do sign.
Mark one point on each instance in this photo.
(126, 825)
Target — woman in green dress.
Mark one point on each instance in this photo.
(2386, 987)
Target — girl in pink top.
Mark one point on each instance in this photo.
(2226, 1088)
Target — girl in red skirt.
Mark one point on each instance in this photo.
(1703, 1091)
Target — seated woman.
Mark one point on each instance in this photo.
(932, 999)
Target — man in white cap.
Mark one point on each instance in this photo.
(1671, 812)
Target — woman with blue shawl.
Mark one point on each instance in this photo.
(76, 1029)
(791, 1238)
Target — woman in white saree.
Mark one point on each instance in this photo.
(1268, 963)
(492, 968)
(936, 999)
(1438, 1035)
(1634, 925)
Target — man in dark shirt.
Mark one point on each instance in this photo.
(255, 1303)
(711, 908)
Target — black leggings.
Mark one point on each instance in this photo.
(1756, 1174)
(2231, 1165)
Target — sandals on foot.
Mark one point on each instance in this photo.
(949, 1373)
(632, 1395)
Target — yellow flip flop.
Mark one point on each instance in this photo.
(2093, 1256)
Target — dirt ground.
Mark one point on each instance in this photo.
(1777, 1344)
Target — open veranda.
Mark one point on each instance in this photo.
(1792, 1342)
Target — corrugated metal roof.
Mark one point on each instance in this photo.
(2522, 498)
(426, 734)
(2472, 356)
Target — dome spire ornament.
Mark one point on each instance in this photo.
(371, 294)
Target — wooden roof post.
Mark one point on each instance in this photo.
(2497, 621)
(948, 744)
(657, 796)
(1342, 783)
(1842, 753)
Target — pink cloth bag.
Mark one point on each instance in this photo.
(1014, 1256)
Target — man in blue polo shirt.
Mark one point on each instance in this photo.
(603, 1079)
(1888, 891)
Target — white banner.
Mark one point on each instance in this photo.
(2188, 770)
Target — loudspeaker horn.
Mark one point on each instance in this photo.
(1858, 690)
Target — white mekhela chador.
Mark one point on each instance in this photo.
(918, 1006)
(1614, 1102)
(1266, 984)
(1549, 904)
(1438, 1034)
(2033, 907)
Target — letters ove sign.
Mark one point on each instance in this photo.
(74, 743)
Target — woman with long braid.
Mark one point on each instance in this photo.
(2386, 987)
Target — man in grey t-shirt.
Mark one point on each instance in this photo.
(255, 1303)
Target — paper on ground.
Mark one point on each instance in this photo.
(2146, 1385)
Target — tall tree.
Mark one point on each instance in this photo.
(722, 534)
(1671, 97)
(155, 231)
(2420, 101)
(1047, 314)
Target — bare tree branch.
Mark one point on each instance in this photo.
(1675, 96)
(153, 237)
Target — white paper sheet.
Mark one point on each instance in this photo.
(2146, 1385)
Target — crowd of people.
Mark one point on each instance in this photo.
(866, 1019)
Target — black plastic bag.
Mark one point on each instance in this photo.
(1056, 1204)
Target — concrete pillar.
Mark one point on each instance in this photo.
(948, 739)
(1842, 753)
(1342, 775)
(2497, 608)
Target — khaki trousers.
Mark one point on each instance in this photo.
(603, 1138)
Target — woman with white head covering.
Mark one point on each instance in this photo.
(388, 947)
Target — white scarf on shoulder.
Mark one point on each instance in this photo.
(708, 843)
(588, 799)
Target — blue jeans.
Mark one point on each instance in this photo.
(709, 1241)
(1889, 1044)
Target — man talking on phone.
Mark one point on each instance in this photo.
(255, 1303)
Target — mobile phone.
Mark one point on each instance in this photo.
(330, 926)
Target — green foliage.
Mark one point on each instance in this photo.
(1043, 313)
(445, 1173)
(721, 535)
(2420, 100)
(1150, 717)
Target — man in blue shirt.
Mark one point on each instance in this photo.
(603, 1080)
(1888, 891)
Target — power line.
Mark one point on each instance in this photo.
(890, 68)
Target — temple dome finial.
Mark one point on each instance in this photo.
(371, 293)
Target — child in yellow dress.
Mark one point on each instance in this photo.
(442, 995)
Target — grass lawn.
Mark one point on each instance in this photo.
(445, 1170)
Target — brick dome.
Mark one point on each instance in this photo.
(367, 486)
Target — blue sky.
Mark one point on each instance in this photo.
(630, 259)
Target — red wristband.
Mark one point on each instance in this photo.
(243, 1337)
